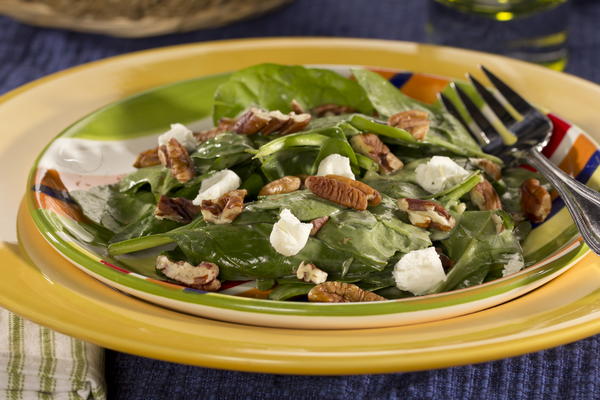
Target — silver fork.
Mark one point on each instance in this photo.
(533, 133)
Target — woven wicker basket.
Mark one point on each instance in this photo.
(134, 18)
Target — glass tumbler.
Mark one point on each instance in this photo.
(531, 30)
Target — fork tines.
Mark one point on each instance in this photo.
(503, 115)
(519, 103)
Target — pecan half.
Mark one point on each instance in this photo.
(308, 272)
(326, 110)
(202, 276)
(256, 120)
(147, 158)
(317, 224)
(341, 292)
(176, 209)
(492, 169)
(371, 146)
(484, 196)
(224, 209)
(415, 122)
(344, 191)
(175, 157)
(535, 201)
(427, 214)
(287, 184)
(225, 124)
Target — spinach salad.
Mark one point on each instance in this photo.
(322, 187)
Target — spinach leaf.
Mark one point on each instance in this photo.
(475, 246)
(273, 87)
(385, 97)
(107, 206)
(369, 239)
(245, 250)
(221, 152)
(93, 201)
(157, 178)
(147, 225)
(302, 152)
(305, 205)
(288, 290)
(295, 161)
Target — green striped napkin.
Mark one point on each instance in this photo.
(38, 363)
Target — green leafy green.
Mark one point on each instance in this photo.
(221, 152)
(273, 87)
(476, 245)
(288, 290)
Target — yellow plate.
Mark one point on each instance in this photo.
(62, 297)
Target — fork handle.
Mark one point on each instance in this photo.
(582, 202)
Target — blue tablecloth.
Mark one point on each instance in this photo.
(566, 372)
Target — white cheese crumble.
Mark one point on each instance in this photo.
(289, 235)
(217, 185)
(335, 164)
(514, 264)
(507, 196)
(419, 271)
(182, 134)
(439, 174)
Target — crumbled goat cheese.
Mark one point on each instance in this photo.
(289, 235)
(335, 164)
(182, 134)
(439, 174)
(217, 185)
(419, 271)
(514, 264)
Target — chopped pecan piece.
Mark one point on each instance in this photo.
(202, 276)
(371, 146)
(287, 184)
(176, 209)
(225, 124)
(492, 169)
(326, 110)
(344, 191)
(147, 158)
(256, 120)
(176, 157)
(296, 123)
(427, 214)
(415, 122)
(277, 122)
(318, 224)
(224, 209)
(308, 272)
(341, 292)
(535, 200)
(251, 122)
(296, 107)
(484, 196)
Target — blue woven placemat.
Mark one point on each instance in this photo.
(566, 372)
